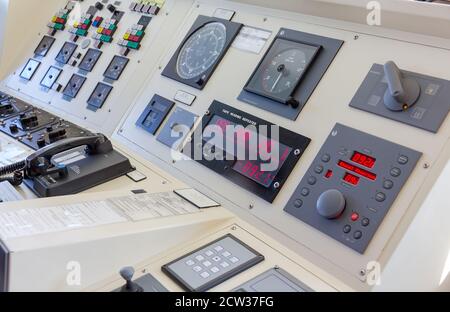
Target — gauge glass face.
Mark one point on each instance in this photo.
(282, 69)
(202, 50)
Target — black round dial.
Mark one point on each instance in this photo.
(202, 50)
(284, 71)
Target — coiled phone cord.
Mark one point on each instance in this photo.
(12, 173)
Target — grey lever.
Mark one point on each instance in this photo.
(127, 274)
(403, 92)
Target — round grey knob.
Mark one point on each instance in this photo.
(331, 204)
(127, 273)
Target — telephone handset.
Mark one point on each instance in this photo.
(73, 165)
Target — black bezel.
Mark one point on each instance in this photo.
(78, 90)
(113, 61)
(149, 108)
(91, 97)
(50, 40)
(95, 60)
(207, 286)
(271, 52)
(170, 71)
(225, 167)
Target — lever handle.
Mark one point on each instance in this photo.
(402, 92)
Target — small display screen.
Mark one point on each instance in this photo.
(351, 179)
(366, 174)
(363, 160)
(255, 169)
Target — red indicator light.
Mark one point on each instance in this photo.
(352, 179)
(354, 217)
(366, 174)
(363, 160)
(329, 174)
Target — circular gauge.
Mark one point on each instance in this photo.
(284, 71)
(202, 50)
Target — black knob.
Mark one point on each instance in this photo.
(111, 8)
(13, 128)
(99, 6)
(40, 143)
(49, 129)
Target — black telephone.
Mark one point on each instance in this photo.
(71, 166)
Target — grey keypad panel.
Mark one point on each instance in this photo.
(351, 185)
(213, 264)
(428, 113)
(274, 280)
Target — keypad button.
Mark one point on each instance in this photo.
(396, 172)
(312, 180)
(357, 235)
(380, 197)
(234, 260)
(298, 203)
(205, 275)
(200, 258)
(190, 262)
(305, 191)
(326, 158)
(224, 265)
(218, 248)
(365, 222)
(216, 259)
(318, 169)
(209, 253)
(347, 229)
(215, 270)
(226, 254)
(403, 160)
(388, 184)
(207, 264)
(197, 269)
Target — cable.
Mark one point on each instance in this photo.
(12, 173)
(19, 166)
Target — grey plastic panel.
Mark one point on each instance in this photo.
(44, 46)
(149, 283)
(370, 200)
(99, 96)
(219, 260)
(329, 48)
(116, 67)
(90, 59)
(428, 113)
(274, 280)
(181, 122)
(74, 85)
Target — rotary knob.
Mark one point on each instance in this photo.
(331, 204)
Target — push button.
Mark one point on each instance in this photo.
(326, 158)
(396, 172)
(388, 184)
(403, 160)
(347, 229)
(354, 217)
(357, 235)
(298, 203)
(305, 191)
(365, 222)
(380, 197)
(318, 169)
(312, 180)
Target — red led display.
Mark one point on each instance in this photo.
(363, 160)
(351, 179)
(366, 174)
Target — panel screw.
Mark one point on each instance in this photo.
(251, 206)
(233, 228)
(265, 19)
(356, 37)
(297, 152)
(426, 165)
(207, 113)
(160, 67)
(276, 185)
(362, 272)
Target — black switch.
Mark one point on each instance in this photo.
(29, 121)
(99, 6)
(111, 8)
(13, 128)
(40, 143)
(6, 108)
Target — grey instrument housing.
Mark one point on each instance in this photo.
(428, 113)
(371, 200)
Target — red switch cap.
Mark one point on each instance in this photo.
(354, 217)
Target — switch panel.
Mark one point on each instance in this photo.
(213, 264)
(155, 114)
(73, 86)
(81, 27)
(59, 20)
(177, 127)
(99, 96)
(428, 112)
(132, 38)
(90, 59)
(51, 77)
(30, 69)
(52, 133)
(27, 122)
(351, 185)
(116, 67)
(274, 280)
(10, 107)
(66, 52)
(44, 46)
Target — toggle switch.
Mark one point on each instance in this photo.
(402, 92)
